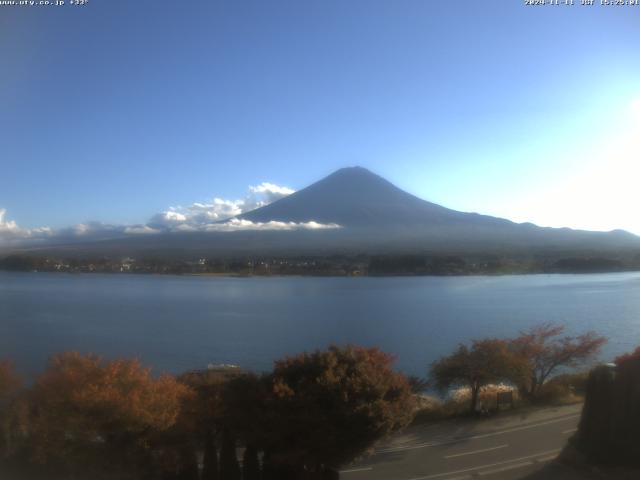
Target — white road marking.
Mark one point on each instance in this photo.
(476, 437)
(481, 467)
(414, 447)
(476, 451)
(352, 470)
(571, 430)
(525, 427)
(505, 469)
(546, 459)
(518, 465)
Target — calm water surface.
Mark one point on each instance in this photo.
(179, 323)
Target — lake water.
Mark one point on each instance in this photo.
(178, 323)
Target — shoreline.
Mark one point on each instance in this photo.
(298, 275)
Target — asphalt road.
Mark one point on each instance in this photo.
(503, 447)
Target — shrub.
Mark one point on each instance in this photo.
(328, 407)
(429, 409)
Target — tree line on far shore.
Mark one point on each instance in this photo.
(85, 417)
(329, 265)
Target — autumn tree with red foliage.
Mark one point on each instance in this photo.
(10, 385)
(546, 351)
(95, 417)
(10, 382)
(327, 407)
(628, 357)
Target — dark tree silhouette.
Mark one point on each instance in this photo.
(210, 459)
(250, 464)
(188, 463)
(229, 467)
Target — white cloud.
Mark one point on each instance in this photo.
(217, 215)
(272, 189)
(8, 227)
(11, 232)
(81, 229)
(140, 230)
(264, 194)
(89, 230)
(209, 215)
(167, 219)
(237, 224)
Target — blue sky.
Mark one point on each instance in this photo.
(118, 110)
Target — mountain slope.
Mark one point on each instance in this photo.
(357, 197)
(377, 214)
(376, 217)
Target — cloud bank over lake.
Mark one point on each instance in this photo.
(217, 215)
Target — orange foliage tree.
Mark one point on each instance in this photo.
(10, 382)
(94, 416)
(10, 386)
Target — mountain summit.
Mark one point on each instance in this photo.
(354, 197)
